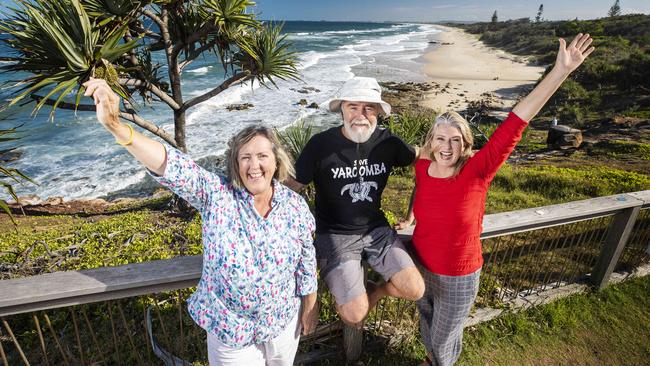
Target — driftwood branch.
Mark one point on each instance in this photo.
(239, 77)
(149, 126)
(153, 89)
(196, 53)
(129, 116)
(194, 37)
(151, 15)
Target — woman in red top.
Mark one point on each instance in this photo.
(449, 202)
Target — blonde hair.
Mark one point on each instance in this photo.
(284, 166)
(457, 121)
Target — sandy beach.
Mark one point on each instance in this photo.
(465, 68)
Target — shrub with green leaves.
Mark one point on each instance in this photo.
(9, 176)
(412, 127)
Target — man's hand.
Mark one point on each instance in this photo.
(309, 314)
(403, 224)
(293, 184)
(106, 102)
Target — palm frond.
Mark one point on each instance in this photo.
(295, 137)
(266, 54)
(231, 20)
(110, 10)
(229, 15)
(185, 20)
(58, 43)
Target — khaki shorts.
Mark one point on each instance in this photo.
(340, 256)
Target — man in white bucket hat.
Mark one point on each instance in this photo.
(349, 166)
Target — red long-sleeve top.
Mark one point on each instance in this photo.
(449, 211)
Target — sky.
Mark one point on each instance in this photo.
(436, 10)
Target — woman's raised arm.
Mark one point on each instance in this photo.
(568, 59)
(150, 153)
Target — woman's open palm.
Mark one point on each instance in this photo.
(571, 56)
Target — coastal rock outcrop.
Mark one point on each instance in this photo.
(239, 107)
(306, 90)
(563, 137)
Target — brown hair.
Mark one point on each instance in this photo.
(284, 166)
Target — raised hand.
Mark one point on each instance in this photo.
(571, 56)
(568, 59)
(149, 152)
(106, 101)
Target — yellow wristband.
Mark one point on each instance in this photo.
(130, 141)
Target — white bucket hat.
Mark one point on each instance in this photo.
(359, 89)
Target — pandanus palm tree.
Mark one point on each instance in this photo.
(61, 43)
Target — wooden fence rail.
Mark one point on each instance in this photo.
(68, 288)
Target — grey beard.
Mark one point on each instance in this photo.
(359, 136)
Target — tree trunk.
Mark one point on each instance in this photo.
(179, 130)
(180, 205)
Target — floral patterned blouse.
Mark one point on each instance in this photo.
(255, 269)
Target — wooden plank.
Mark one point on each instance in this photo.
(541, 217)
(643, 196)
(617, 236)
(352, 343)
(76, 287)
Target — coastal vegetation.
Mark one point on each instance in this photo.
(9, 176)
(611, 88)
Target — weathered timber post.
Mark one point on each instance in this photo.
(619, 232)
(352, 336)
(352, 342)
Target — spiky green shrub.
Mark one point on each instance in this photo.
(9, 176)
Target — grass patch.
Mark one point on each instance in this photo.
(397, 195)
(521, 187)
(50, 243)
(610, 327)
(621, 149)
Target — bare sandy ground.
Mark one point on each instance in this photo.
(465, 68)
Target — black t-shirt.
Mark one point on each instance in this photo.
(350, 177)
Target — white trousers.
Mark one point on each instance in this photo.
(279, 351)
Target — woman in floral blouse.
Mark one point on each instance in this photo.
(258, 283)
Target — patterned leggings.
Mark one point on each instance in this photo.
(443, 310)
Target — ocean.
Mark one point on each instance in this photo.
(74, 157)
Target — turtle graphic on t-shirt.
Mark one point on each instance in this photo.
(359, 191)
